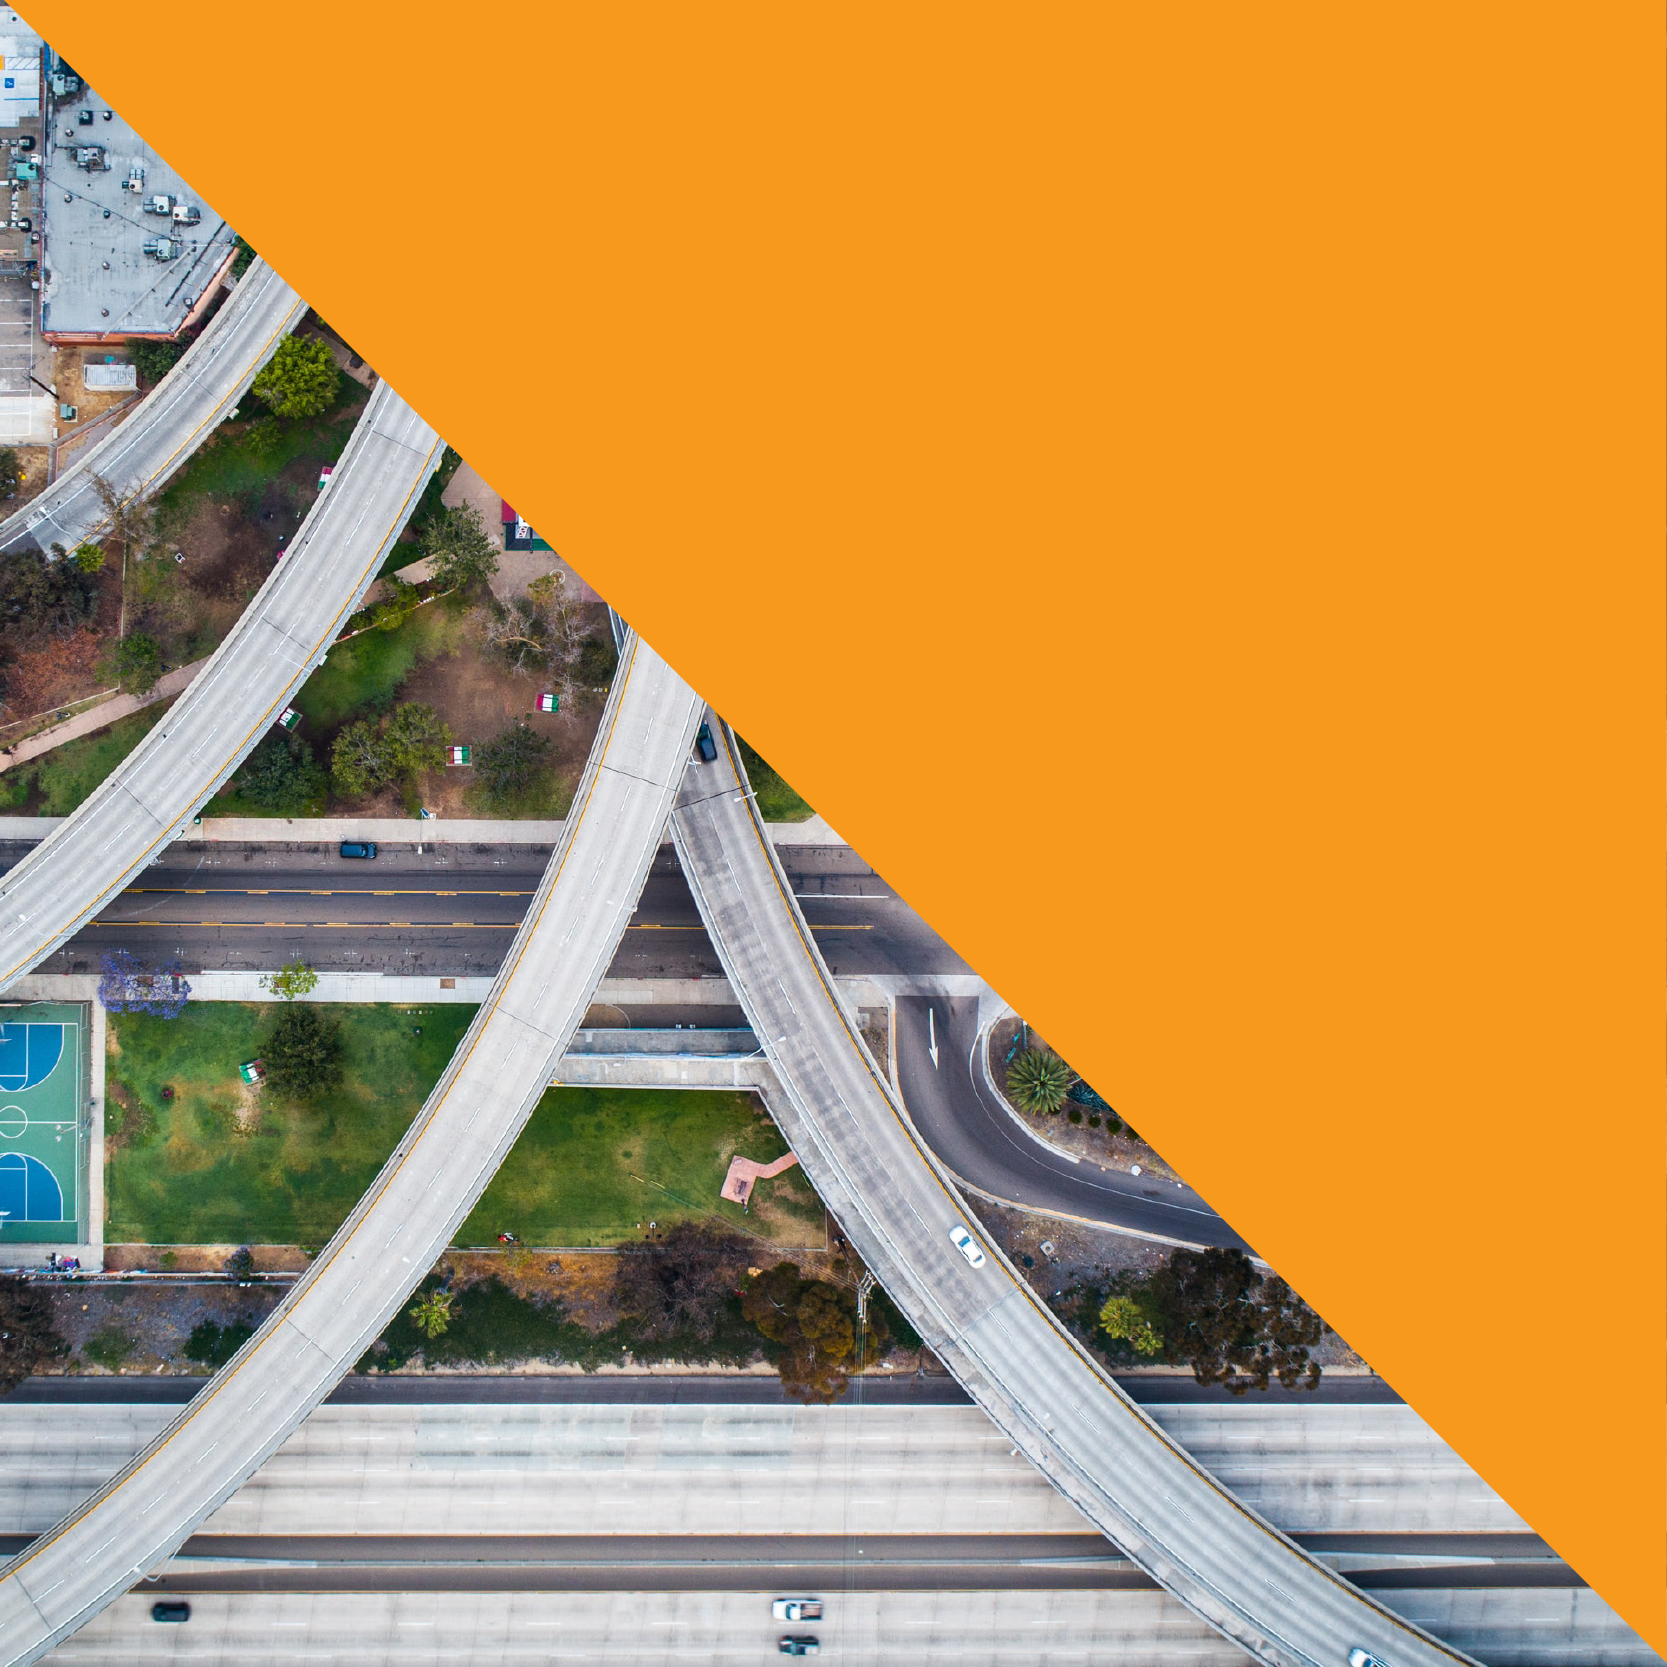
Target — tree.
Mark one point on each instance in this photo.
(299, 380)
(88, 557)
(678, 1285)
(813, 1325)
(360, 762)
(458, 549)
(510, 763)
(598, 660)
(433, 1313)
(138, 663)
(28, 1338)
(1126, 1318)
(240, 1266)
(1037, 1080)
(303, 1054)
(245, 257)
(129, 519)
(281, 773)
(416, 738)
(154, 360)
(40, 597)
(291, 980)
(1287, 1328)
(127, 985)
(11, 472)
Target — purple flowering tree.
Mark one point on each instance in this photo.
(127, 985)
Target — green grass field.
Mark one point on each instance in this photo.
(360, 677)
(590, 1165)
(594, 1166)
(198, 1180)
(777, 802)
(67, 775)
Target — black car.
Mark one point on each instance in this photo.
(707, 747)
(802, 1644)
(170, 1611)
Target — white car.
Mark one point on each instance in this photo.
(1365, 1658)
(797, 1609)
(963, 1242)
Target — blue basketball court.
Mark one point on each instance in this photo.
(43, 1129)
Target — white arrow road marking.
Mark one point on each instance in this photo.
(932, 1037)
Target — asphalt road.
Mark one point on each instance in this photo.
(706, 1390)
(962, 1120)
(452, 910)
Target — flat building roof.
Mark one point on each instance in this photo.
(129, 249)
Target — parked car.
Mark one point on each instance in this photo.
(358, 848)
(963, 1242)
(802, 1645)
(170, 1611)
(797, 1609)
(707, 747)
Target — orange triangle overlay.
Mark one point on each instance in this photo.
(1180, 494)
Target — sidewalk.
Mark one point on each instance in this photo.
(94, 718)
(388, 830)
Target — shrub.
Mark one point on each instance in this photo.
(1073, 1115)
(138, 663)
(127, 985)
(240, 1266)
(1093, 1119)
(1037, 1080)
(28, 1339)
(509, 765)
(299, 380)
(211, 1344)
(154, 360)
(597, 662)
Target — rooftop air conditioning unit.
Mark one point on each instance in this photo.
(159, 205)
(162, 248)
(187, 214)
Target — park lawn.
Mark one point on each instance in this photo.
(68, 775)
(777, 801)
(198, 1179)
(594, 1166)
(361, 676)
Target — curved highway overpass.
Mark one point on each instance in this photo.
(407, 1218)
(185, 408)
(284, 633)
(895, 1202)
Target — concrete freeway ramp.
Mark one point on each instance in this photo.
(173, 421)
(285, 632)
(406, 1220)
(898, 1206)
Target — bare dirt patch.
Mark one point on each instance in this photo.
(155, 1319)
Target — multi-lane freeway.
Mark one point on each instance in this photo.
(187, 406)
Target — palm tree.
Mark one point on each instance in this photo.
(433, 1313)
(1036, 1081)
